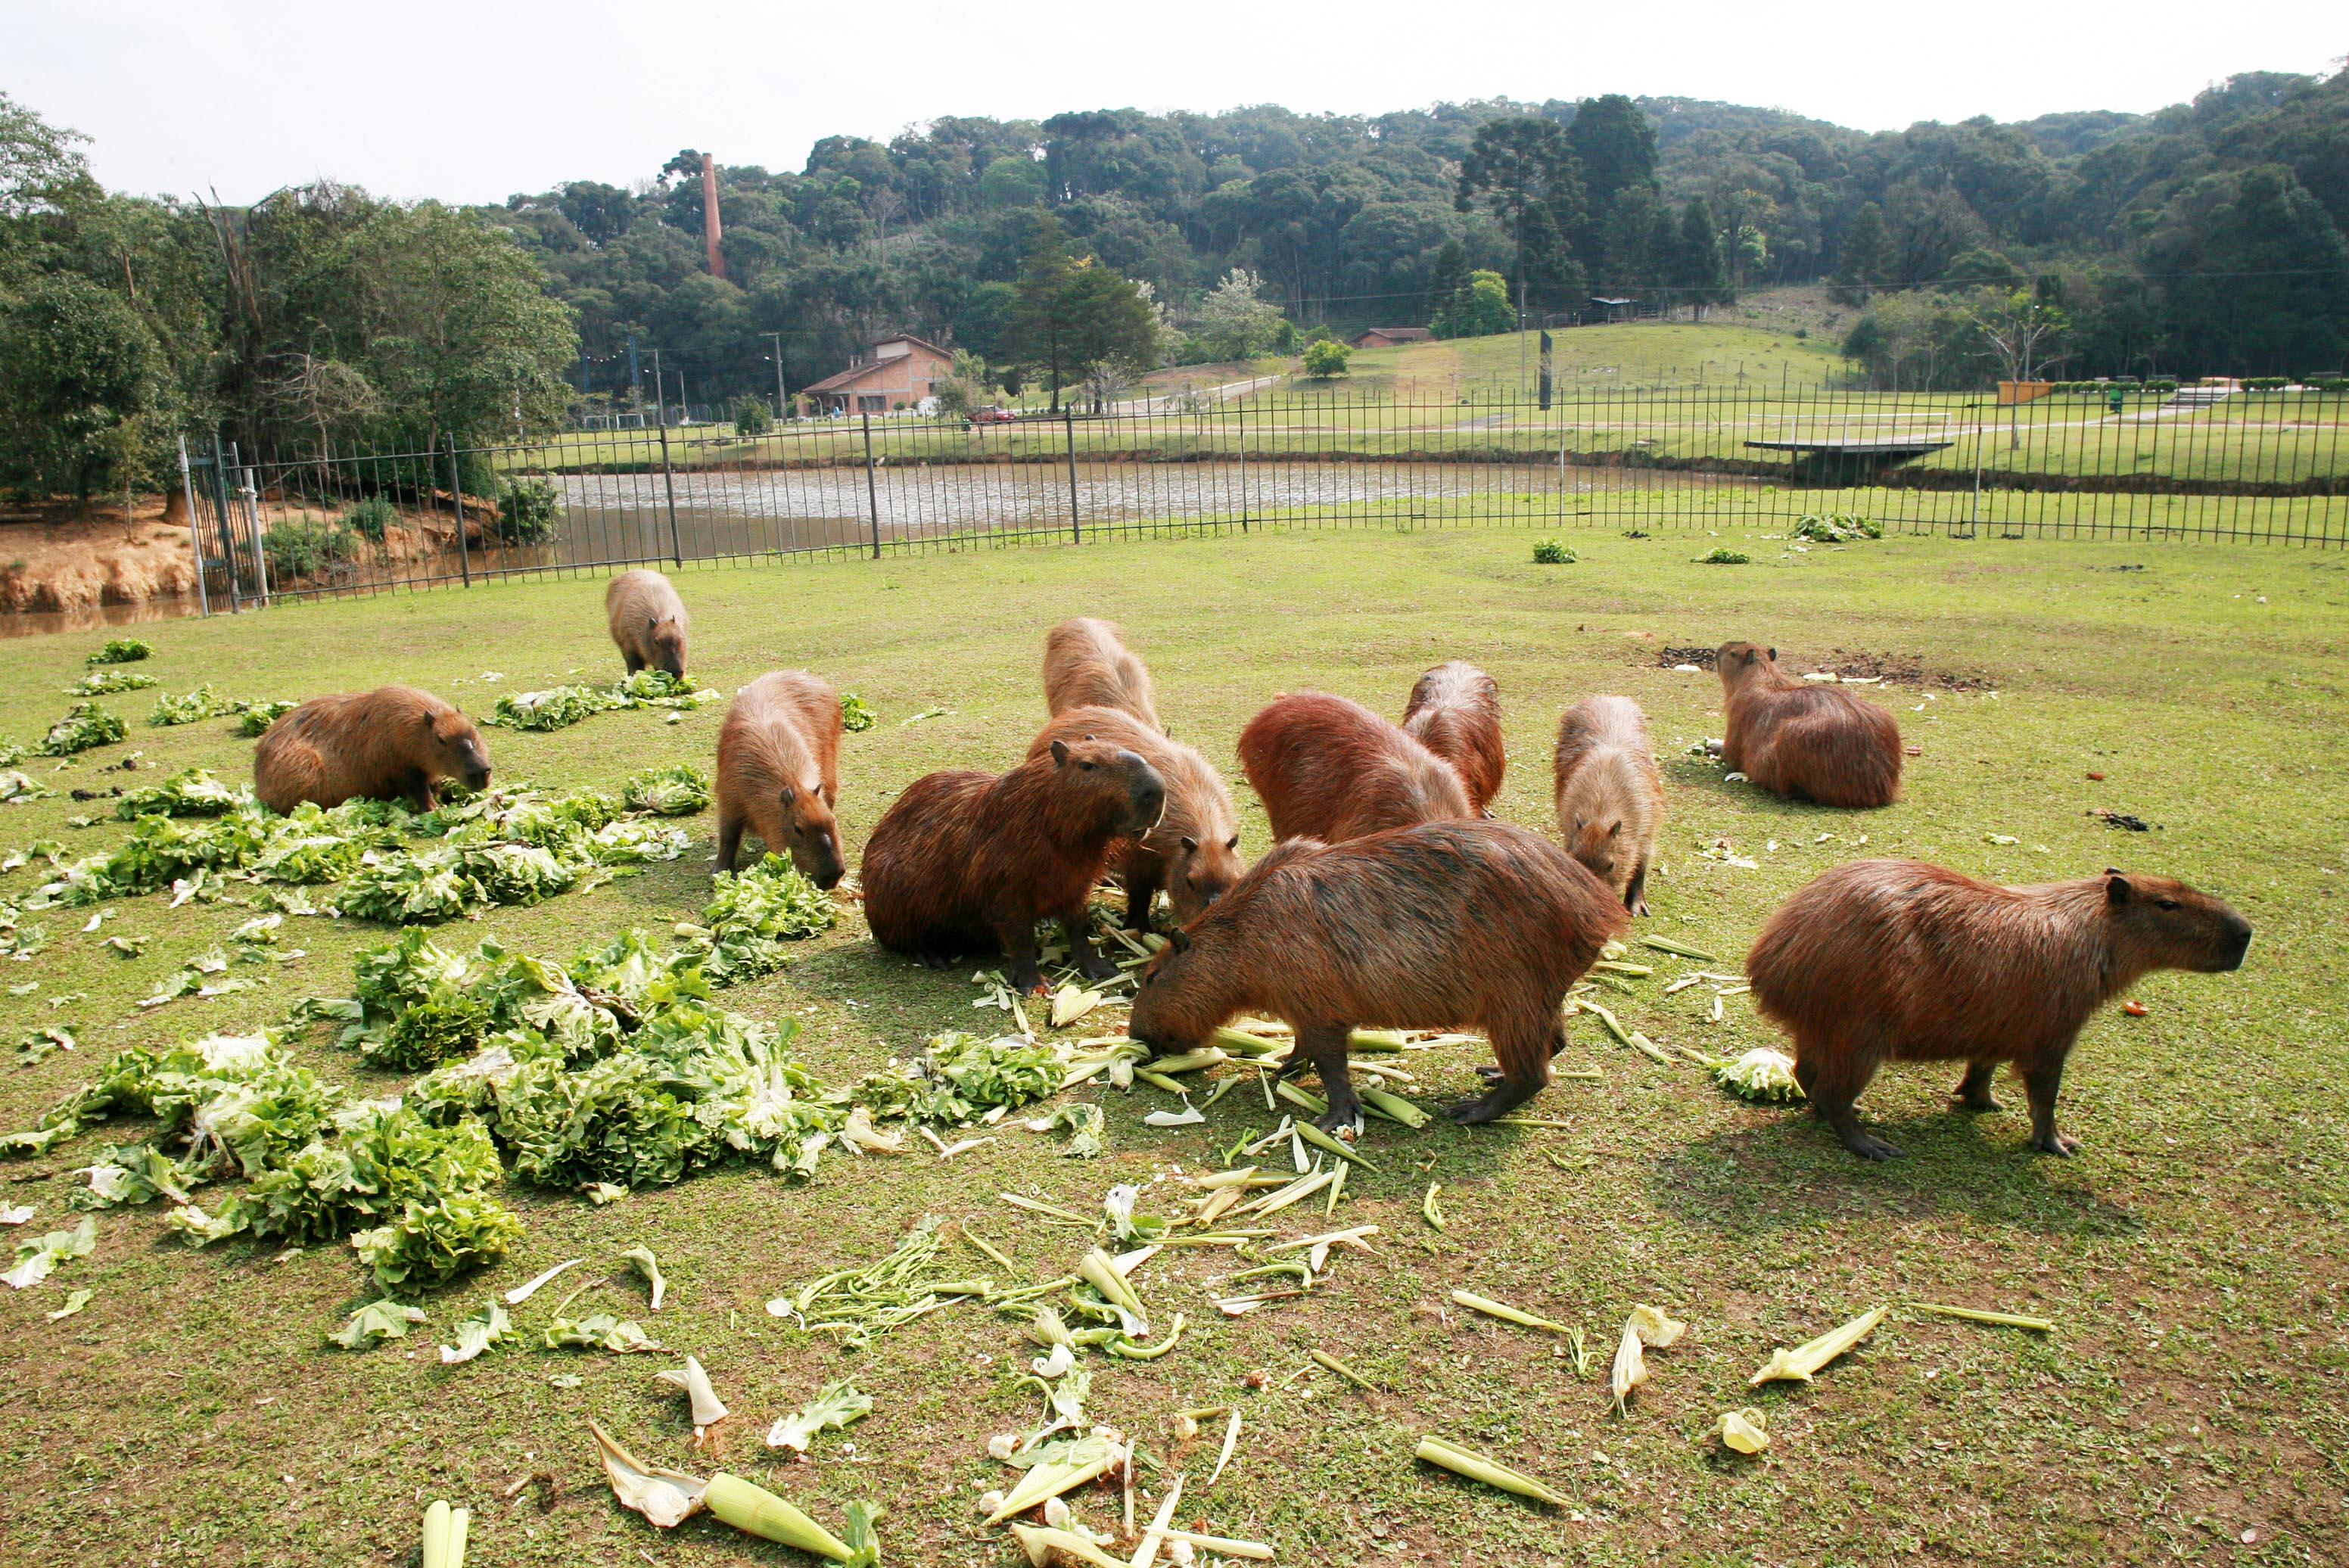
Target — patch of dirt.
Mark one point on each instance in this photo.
(52, 560)
(1893, 670)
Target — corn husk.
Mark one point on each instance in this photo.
(1976, 1314)
(1331, 1362)
(1476, 1467)
(1337, 1186)
(1681, 949)
(1231, 1439)
(1353, 1236)
(1051, 1480)
(1337, 1146)
(1431, 1211)
(642, 1261)
(444, 1536)
(1647, 1326)
(1069, 1004)
(755, 1510)
(1393, 1107)
(1745, 1431)
(708, 1408)
(1033, 1207)
(1147, 1553)
(1045, 1547)
(1189, 1061)
(1297, 1192)
(1505, 1312)
(1098, 1269)
(665, 1497)
(523, 1291)
(1240, 1043)
(1221, 1545)
(1798, 1363)
(863, 1137)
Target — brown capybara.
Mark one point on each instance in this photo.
(392, 741)
(1088, 664)
(1479, 923)
(1193, 852)
(965, 860)
(1455, 712)
(1332, 769)
(1611, 793)
(776, 773)
(1900, 961)
(1803, 738)
(648, 621)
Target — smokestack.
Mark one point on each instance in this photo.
(711, 233)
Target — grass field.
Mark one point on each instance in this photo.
(2187, 1408)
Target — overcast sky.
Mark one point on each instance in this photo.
(472, 102)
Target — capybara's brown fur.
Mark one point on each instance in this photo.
(1895, 960)
(1455, 712)
(1193, 852)
(1332, 769)
(778, 777)
(967, 861)
(393, 742)
(1609, 793)
(1088, 664)
(1475, 924)
(648, 621)
(1803, 738)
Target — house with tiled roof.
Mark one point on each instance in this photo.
(896, 372)
(1388, 336)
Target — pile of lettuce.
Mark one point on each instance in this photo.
(260, 714)
(963, 1076)
(106, 683)
(199, 703)
(120, 651)
(559, 707)
(84, 726)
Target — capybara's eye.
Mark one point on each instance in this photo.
(2165, 903)
(1086, 766)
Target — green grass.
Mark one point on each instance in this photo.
(1632, 354)
(2193, 1254)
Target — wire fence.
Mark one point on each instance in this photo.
(2266, 467)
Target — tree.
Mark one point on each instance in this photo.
(751, 416)
(84, 399)
(40, 171)
(1553, 279)
(1074, 319)
(1700, 278)
(1447, 279)
(1513, 166)
(1234, 323)
(1011, 181)
(2255, 276)
(1325, 359)
(1480, 310)
(2021, 329)
(1860, 260)
(1615, 148)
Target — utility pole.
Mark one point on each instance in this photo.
(636, 376)
(777, 338)
(660, 392)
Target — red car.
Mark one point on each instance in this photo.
(993, 416)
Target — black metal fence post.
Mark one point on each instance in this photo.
(456, 501)
(668, 487)
(872, 491)
(1068, 430)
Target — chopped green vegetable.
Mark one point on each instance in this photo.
(489, 1327)
(647, 1268)
(836, 1406)
(855, 716)
(107, 683)
(962, 1077)
(85, 725)
(1761, 1074)
(120, 651)
(199, 703)
(1476, 1467)
(376, 1322)
(679, 790)
(37, 1258)
(258, 716)
(1721, 555)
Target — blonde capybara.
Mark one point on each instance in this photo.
(648, 621)
(1193, 852)
(1609, 793)
(1805, 739)
(1480, 924)
(1088, 664)
(394, 742)
(778, 774)
(1892, 960)
(1329, 769)
(968, 861)
(1455, 712)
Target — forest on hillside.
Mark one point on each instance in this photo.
(2205, 238)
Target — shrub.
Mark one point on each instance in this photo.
(528, 512)
(2266, 384)
(1326, 357)
(1554, 552)
(301, 549)
(370, 517)
(751, 416)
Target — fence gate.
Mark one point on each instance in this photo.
(224, 526)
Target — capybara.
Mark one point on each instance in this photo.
(1088, 664)
(1332, 769)
(1611, 793)
(1193, 852)
(392, 741)
(648, 621)
(1480, 923)
(1900, 961)
(966, 860)
(776, 773)
(1804, 739)
(1455, 712)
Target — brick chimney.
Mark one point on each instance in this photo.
(711, 233)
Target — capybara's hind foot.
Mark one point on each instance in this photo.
(1976, 1099)
(1342, 1120)
(1501, 1098)
(2053, 1143)
(1099, 967)
(929, 960)
(1869, 1148)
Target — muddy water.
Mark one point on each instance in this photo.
(35, 622)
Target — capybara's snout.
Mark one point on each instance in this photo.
(817, 855)
(477, 778)
(672, 661)
(1147, 795)
(2237, 942)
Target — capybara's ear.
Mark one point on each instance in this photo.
(1233, 842)
(1614, 829)
(788, 795)
(1179, 939)
(1773, 655)
(1190, 845)
(1059, 753)
(2118, 890)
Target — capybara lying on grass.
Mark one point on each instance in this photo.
(1805, 739)
(1455, 712)
(1332, 769)
(1088, 664)
(967, 861)
(1900, 961)
(1479, 923)
(1611, 793)
(648, 621)
(776, 773)
(392, 741)
(1193, 852)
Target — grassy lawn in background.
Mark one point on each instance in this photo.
(2187, 1408)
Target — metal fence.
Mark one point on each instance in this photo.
(2264, 466)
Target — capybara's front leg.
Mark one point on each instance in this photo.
(1635, 893)
(1524, 1071)
(1141, 898)
(634, 660)
(1324, 1045)
(1091, 962)
(2040, 1080)
(1973, 1090)
(730, 842)
(419, 791)
(1018, 936)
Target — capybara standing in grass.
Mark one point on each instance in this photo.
(1193, 852)
(1455, 712)
(1478, 923)
(968, 860)
(776, 773)
(648, 621)
(1611, 793)
(1802, 738)
(1088, 664)
(1332, 769)
(1900, 961)
(392, 741)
